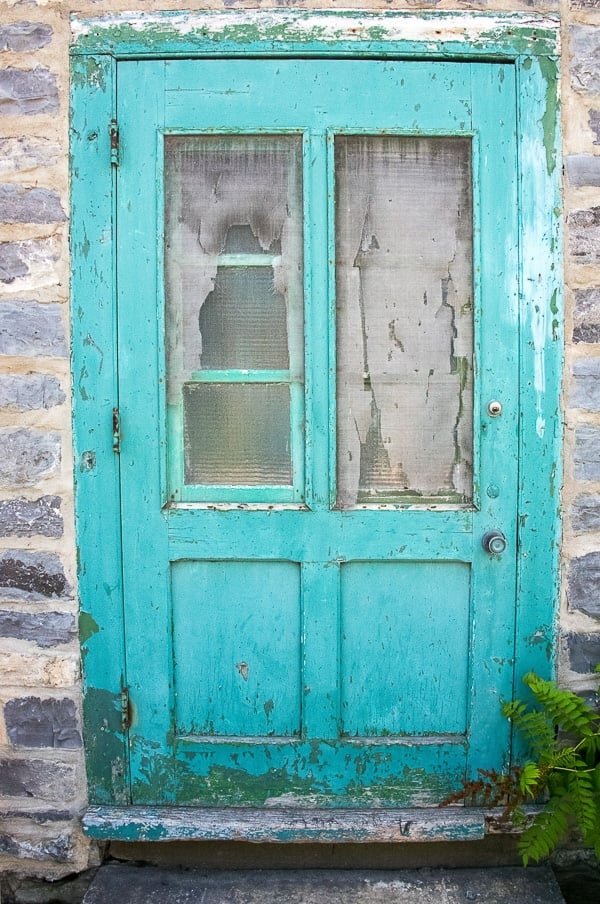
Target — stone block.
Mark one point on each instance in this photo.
(29, 205)
(587, 452)
(583, 589)
(585, 66)
(594, 121)
(39, 670)
(584, 235)
(12, 263)
(583, 651)
(32, 575)
(19, 37)
(585, 513)
(43, 889)
(586, 316)
(32, 722)
(42, 779)
(582, 169)
(28, 265)
(46, 629)
(31, 329)
(27, 455)
(585, 393)
(23, 154)
(30, 518)
(30, 392)
(37, 817)
(28, 847)
(28, 92)
(130, 883)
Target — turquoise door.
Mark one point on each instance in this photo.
(318, 363)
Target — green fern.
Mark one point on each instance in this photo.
(536, 729)
(562, 734)
(563, 707)
(547, 830)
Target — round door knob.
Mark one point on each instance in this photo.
(494, 542)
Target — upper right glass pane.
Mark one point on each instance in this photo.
(404, 289)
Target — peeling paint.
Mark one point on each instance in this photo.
(542, 310)
(88, 626)
(89, 73)
(314, 774)
(525, 32)
(284, 825)
(549, 68)
(106, 751)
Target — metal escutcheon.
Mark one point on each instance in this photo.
(494, 542)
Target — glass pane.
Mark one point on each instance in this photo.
(237, 433)
(234, 303)
(233, 202)
(404, 287)
(243, 321)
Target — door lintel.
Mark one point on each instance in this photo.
(431, 35)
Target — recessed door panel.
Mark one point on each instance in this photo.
(404, 648)
(236, 648)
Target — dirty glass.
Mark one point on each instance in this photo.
(404, 291)
(234, 305)
(222, 447)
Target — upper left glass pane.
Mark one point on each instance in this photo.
(234, 297)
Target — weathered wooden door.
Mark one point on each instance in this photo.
(317, 352)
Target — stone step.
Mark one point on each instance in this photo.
(124, 883)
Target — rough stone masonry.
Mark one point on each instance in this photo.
(42, 776)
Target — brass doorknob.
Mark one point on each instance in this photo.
(494, 542)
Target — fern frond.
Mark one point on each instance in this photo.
(546, 831)
(564, 758)
(492, 789)
(586, 804)
(529, 780)
(590, 748)
(536, 728)
(563, 707)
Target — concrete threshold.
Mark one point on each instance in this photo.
(124, 883)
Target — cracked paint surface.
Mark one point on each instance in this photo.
(529, 31)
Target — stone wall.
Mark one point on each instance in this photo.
(580, 615)
(42, 786)
(42, 780)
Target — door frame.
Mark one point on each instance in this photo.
(527, 41)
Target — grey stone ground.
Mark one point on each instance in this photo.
(128, 884)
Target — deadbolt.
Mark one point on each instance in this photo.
(494, 542)
(495, 408)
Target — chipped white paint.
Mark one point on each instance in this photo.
(277, 824)
(535, 304)
(328, 26)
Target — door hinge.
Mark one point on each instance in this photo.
(125, 710)
(114, 142)
(116, 430)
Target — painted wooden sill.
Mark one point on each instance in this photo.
(294, 825)
(284, 825)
